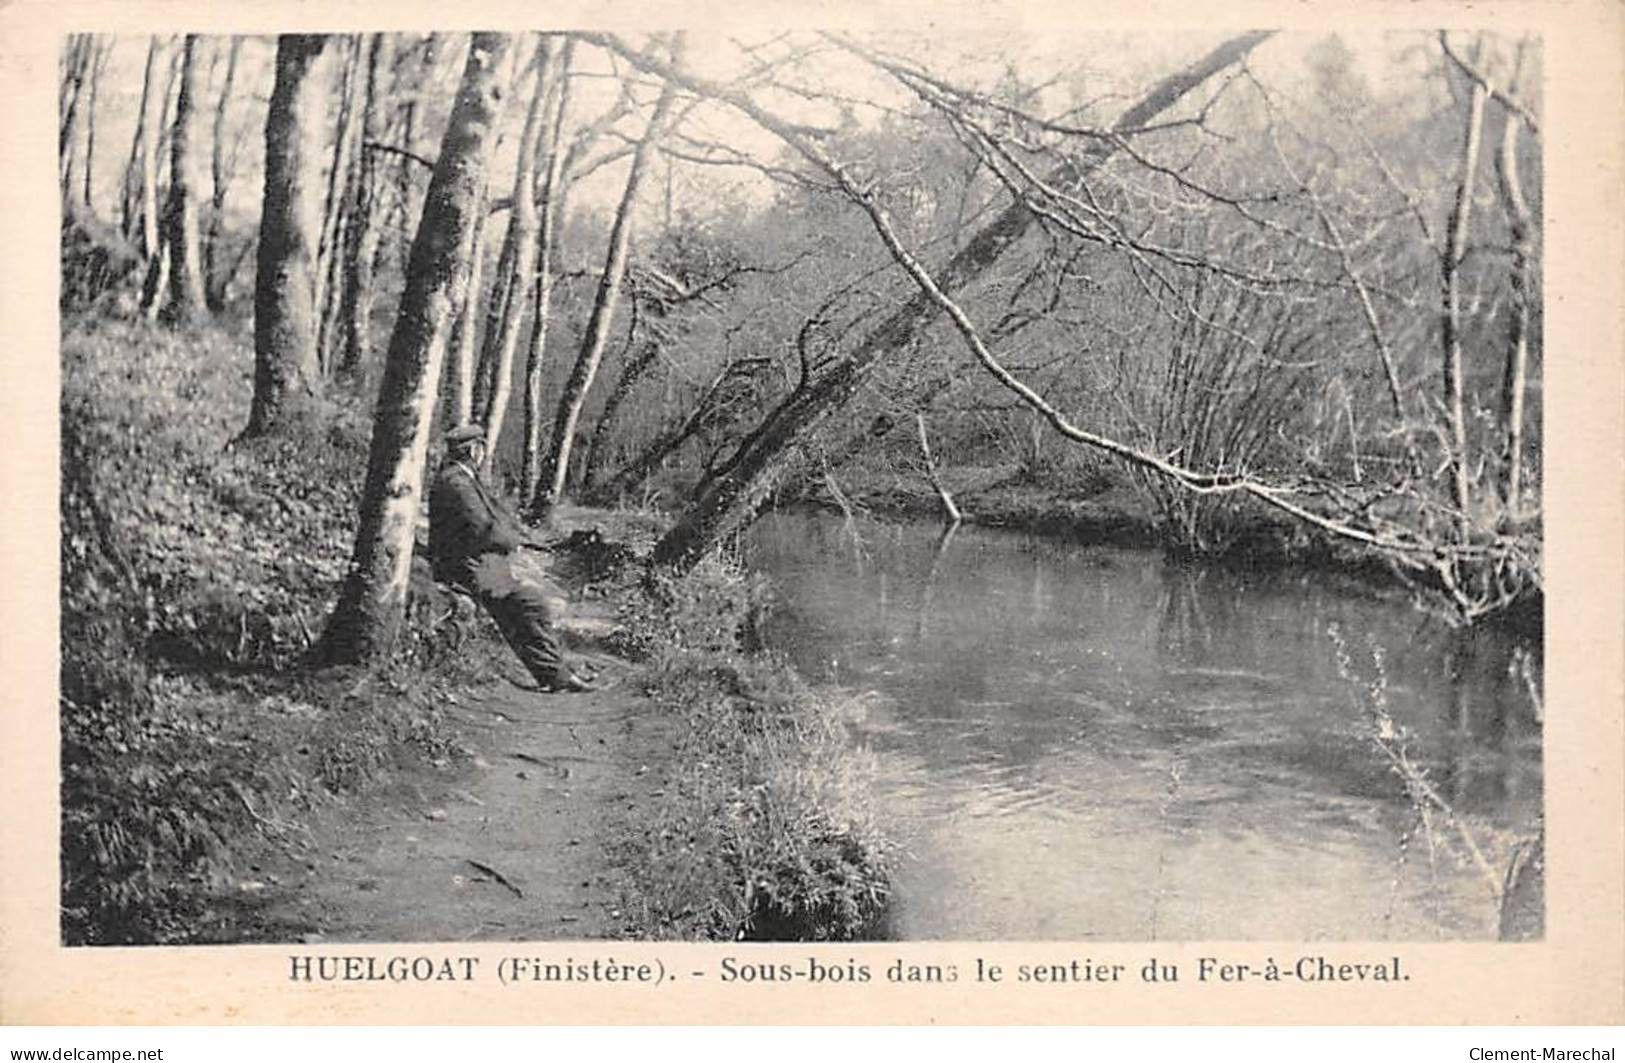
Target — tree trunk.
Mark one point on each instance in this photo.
(184, 301)
(485, 319)
(367, 620)
(214, 283)
(1450, 274)
(557, 466)
(519, 250)
(542, 310)
(284, 312)
(460, 395)
(733, 493)
(364, 233)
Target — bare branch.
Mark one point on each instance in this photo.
(1503, 97)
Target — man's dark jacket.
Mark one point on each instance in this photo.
(466, 523)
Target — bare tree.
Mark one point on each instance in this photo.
(733, 493)
(1522, 225)
(367, 619)
(284, 309)
(556, 468)
(1456, 237)
(516, 269)
(548, 194)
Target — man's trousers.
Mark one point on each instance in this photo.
(520, 609)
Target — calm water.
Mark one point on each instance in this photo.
(1094, 743)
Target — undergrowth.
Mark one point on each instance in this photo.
(196, 573)
(766, 832)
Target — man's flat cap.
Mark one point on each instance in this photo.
(464, 433)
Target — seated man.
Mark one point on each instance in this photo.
(471, 535)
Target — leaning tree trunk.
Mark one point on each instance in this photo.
(284, 308)
(184, 300)
(367, 620)
(557, 466)
(950, 508)
(733, 493)
(519, 248)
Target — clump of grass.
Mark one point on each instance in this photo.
(766, 831)
(715, 609)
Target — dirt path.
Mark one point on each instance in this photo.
(507, 844)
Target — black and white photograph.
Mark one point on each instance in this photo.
(804, 485)
(879, 514)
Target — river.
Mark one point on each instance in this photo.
(1078, 742)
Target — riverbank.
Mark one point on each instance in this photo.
(1103, 509)
(216, 789)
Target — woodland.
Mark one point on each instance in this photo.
(1266, 299)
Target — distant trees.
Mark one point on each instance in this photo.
(556, 466)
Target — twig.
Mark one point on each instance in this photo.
(498, 876)
(391, 149)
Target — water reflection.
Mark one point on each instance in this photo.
(1095, 743)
